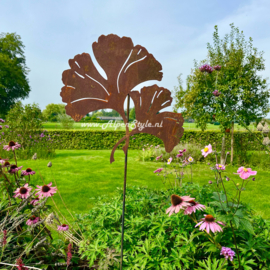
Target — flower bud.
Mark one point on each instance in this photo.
(210, 182)
(253, 178)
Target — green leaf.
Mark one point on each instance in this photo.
(246, 225)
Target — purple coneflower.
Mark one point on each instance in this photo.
(2, 121)
(179, 155)
(207, 150)
(46, 191)
(6, 126)
(158, 170)
(6, 164)
(220, 167)
(63, 227)
(193, 207)
(14, 168)
(227, 253)
(28, 171)
(245, 173)
(32, 220)
(23, 192)
(169, 161)
(178, 203)
(208, 223)
(206, 68)
(11, 146)
(159, 157)
(35, 201)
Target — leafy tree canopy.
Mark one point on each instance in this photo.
(241, 92)
(52, 110)
(14, 84)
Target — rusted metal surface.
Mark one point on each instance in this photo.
(126, 66)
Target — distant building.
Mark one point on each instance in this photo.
(113, 118)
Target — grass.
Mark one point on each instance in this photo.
(83, 174)
(187, 126)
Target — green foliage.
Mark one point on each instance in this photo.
(243, 93)
(14, 84)
(24, 125)
(66, 121)
(80, 139)
(52, 110)
(153, 240)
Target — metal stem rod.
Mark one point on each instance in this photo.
(124, 191)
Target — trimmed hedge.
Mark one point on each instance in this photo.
(98, 140)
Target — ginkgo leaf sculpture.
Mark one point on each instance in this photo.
(126, 66)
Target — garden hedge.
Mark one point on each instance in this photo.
(98, 140)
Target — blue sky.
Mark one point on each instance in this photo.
(174, 31)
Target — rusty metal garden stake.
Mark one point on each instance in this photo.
(126, 66)
(124, 193)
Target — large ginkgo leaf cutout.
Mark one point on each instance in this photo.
(126, 66)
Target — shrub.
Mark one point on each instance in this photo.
(153, 240)
(66, 121)
(24, 125)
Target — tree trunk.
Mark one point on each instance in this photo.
(232, 139)
(223, 148)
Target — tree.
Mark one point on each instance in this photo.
(227, 86)
(23, 121)
(52, 110)
(14, 84)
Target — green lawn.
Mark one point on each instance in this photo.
(83, 174)
(101, 126)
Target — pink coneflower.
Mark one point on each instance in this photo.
(208, 223)
(2, 121)
(32, 220)
(6, 126)
(179, 155)
(220, 167)
(20, 265)
(46, 191)
(178, 203)
(182, 151)
(227, 253)
(63, 227)
(35, 201)
(6, 164)
(193, 207)
(14, 168)
(245, 173)
(159, 157)
(158, 170)
(23, 192)
(11, 146)
(28, 171)
(207, 150)
(169, 161)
